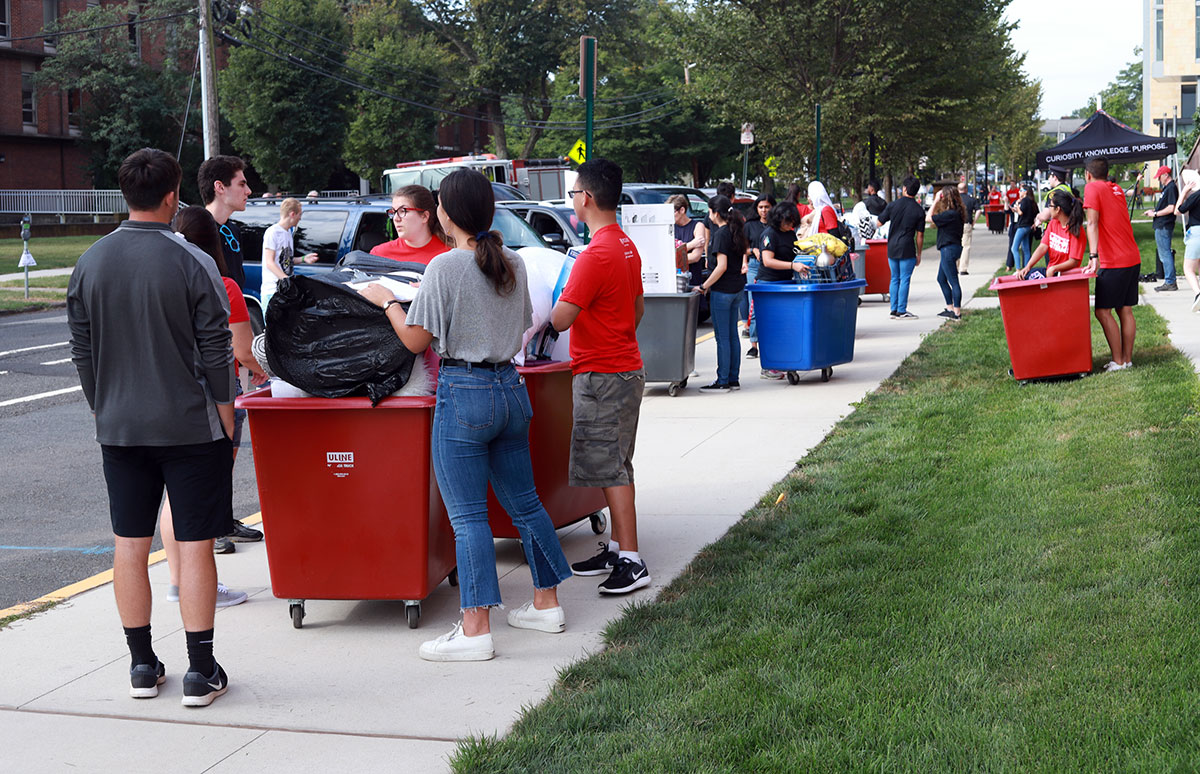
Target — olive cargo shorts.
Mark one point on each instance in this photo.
(606, 409)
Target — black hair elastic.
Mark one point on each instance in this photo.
(482, 235)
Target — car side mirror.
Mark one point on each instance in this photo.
(554, 238)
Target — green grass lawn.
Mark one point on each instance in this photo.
(49, 252)
(14, 300)
(966, 575)
(39, 282)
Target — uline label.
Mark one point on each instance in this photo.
(333, 458)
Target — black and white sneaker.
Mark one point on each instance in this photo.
(627, 576)
(905, 316)
(243, 534)
(714, 388)
(144, 680)
(599, 564)
(199, 691)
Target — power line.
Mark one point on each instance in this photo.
(609, 122)
(101, 28)
(657, 110)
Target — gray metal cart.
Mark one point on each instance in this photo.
(667, 338)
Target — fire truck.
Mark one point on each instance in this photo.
(537, 179)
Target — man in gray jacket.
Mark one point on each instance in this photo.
(149, 321)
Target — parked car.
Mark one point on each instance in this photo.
(657, 193)
(554, 220)
(331, 228)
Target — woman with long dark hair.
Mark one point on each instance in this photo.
(1065, 238)
(1025, 211)
(949, 215)
(754, 231)
(474, 307)
(777, 252)
(724, 285)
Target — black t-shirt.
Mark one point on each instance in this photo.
(907, 218)
(875, 204)
(732, 280)
(686, 234)
(972, 205)
(231, 243)
(783, 245)
(1170, 195)
(754, 232)
(950, 228)
(1191, 207)
(1028, 210)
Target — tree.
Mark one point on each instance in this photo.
(398, 61)
(128, 104)
(287, 120)
(513, 47)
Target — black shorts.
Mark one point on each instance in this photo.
(1117, 287)
(198, 478)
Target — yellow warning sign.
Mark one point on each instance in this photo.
(578, 152)
(772, 165)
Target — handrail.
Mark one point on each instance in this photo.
(61, 202)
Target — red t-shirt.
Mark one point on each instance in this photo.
(1012, 194)
(1061, 246)
(604, 283)
(1114, 242)
(828, 222)
(399, 250)
(803, 209)
(994, 196)
(237, 302)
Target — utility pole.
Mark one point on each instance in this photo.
(208, 83)
(587, 90)
(818, 177)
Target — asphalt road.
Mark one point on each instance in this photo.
(54, 526)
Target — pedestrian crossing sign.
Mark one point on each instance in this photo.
(578, 152)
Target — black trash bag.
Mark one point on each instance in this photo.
(328, 340)
(375, 264)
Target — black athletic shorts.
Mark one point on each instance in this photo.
(1117, 287)
(198, 478)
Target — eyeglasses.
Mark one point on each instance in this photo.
(572, 193)
(402, 211)
(230, 240)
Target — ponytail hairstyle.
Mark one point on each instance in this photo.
(467, 199)
(422, 199)
(197, 226)
(735, 221)
(1072, 206)
(794, 192)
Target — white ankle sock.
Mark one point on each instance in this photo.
(630, 555)
(614, 546)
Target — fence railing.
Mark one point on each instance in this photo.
(82, 202)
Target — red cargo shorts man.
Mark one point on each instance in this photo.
(602, 303)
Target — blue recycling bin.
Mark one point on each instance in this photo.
(806, 326)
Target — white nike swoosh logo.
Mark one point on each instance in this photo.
(215, 686)
(637, 575)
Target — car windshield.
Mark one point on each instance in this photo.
(516, 232)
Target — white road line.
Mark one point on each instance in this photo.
(39, 396)
(31, 349)
(57, 362)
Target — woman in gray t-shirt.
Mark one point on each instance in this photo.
(474, 308)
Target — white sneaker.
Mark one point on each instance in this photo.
(527, 616)
(456, 646)
(1113, 365)
(1196, 303)
(226, 597)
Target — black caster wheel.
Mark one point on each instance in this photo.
(826, 373)
(297, 611)
(599, 522)
(413, 614)
(673, 389)
(453, 577)
(793, 377)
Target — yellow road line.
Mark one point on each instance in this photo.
(87, 584)
(705, 337)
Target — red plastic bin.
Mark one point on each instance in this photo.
(322, 462)
(879, 274)
(1047, 323)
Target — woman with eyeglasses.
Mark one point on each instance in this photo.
(474, 308)
(693, 235)
(419, 236)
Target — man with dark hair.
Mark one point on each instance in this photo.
(161, 387)
(1116, 254)
(1164, 226)
(602, 304)
(875, 203)
(971, 204)
(906, 239)
(224, 191)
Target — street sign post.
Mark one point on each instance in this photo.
(26, 258)
(747, 141)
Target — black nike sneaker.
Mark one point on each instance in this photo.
(599, 564)
(627, 576)
(199, 691)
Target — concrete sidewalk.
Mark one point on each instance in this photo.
(348, 691)
(35, 273)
